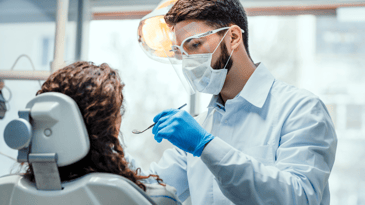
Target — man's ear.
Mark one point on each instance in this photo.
(236, 37)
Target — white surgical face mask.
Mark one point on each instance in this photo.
(200, 74)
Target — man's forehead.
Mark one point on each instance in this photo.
(189, 28)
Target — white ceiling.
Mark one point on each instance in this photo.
(143, 5)
(12, 11)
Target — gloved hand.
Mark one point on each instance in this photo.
(182, 130)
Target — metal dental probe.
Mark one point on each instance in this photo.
(139, 132)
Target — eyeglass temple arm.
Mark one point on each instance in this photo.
(216, 31)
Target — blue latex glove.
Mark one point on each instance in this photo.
(182, 130)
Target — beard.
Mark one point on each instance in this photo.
(222, 61)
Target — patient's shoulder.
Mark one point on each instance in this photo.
(162, 194)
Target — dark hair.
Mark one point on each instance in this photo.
(215, 13)
(97, 90)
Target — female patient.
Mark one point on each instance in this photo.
(97, 90)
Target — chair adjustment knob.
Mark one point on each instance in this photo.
(18, 134)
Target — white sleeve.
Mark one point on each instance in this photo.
(304, 159)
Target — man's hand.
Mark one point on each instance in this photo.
(181, 129)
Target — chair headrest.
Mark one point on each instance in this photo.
(58, 127)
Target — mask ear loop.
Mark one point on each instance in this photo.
(228, 59)
(220, 41)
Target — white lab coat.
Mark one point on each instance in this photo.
(274, 144)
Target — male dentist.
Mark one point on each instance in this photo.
(262, 141)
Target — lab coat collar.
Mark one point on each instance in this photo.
(217, 103)
(256, 89)
(258, 86)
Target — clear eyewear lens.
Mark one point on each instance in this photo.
(196, 44)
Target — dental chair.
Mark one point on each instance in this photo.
(51, 133)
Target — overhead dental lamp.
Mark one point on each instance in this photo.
(154, 36)
(156, 39)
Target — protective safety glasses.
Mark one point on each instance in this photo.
(194, 45)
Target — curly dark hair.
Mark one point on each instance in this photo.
(97, 90)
